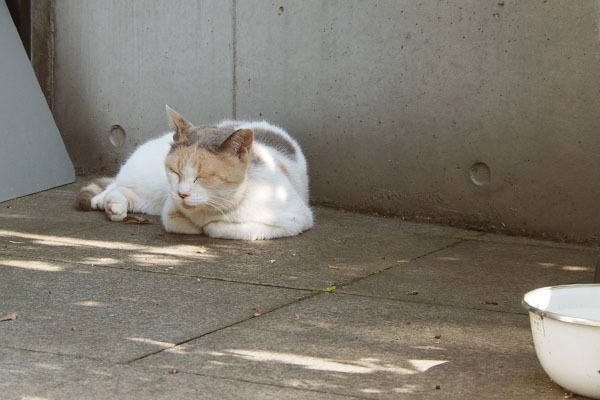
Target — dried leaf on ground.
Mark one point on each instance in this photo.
(10, 317)
(202, 250)
(138, 219)
(332, 266)
(413, 293)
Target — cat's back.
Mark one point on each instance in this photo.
(147, 161)
(155, 147)
(269, 135)
(275, 150)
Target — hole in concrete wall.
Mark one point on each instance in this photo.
(117, 135)
(480, 174)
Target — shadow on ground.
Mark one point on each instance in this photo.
(358, 307)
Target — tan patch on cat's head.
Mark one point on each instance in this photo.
(213, 153)
(209, 167)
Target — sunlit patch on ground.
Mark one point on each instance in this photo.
(32, 264)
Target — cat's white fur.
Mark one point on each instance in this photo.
(268, 204)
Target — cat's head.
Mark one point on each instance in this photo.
(207, 166)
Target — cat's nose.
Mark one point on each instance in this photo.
(183, 195)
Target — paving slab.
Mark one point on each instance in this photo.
(354, 245)
(374, 348)
(481, 274)
(118, 315)
(107, 309)
(35, 215)
(51, 212)
(31, 375)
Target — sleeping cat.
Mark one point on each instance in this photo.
(236, 180)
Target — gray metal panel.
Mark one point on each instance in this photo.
(32, 155)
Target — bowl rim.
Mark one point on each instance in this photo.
(557, 316)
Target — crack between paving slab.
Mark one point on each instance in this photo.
(474, 238)
(298, 300)
(209, 278)
(540, 243)
(57, 354)
(457, 242)
(429, 303)
(352, 281)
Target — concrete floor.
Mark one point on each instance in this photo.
(126, 311)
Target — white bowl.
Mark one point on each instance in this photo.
(565, 322)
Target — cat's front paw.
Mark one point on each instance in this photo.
(97, 202)
(183, 229)
(176, 222)
(116, 211)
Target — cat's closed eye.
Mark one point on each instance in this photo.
(206, 175)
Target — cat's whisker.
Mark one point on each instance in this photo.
(229, 203)
(221, 198)
(218, 209)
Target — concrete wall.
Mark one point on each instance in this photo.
(466, 112)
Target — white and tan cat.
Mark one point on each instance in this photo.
(236, 180)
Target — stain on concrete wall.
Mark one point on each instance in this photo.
(482, 114)
(119, 63)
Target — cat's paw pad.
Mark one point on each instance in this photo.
(116, 211)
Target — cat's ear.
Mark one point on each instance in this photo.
(238, 144)
(178, 124)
